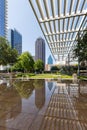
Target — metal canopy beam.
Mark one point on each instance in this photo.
(60, 21)
(61, 41)
(70, 31)
(43, 20)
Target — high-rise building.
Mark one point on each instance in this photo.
(3, 16)
(15, 39)
(10, 35)
(50, 60)
(40, 49)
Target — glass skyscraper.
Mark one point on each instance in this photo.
(50, 60)
(10, 34)
(3, 21)
(15, 40)
(40, 49)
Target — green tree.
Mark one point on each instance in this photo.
(7, 54)
(39, 65)
(85, 46)
(3, 51)
(25, 62)
(80, 50)
(54, 68)
(12, 55)
(17, 66)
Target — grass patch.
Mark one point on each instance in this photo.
(43, 76)
(25, 74)
(82, 77)
(55, 76)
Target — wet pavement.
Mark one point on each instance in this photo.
(43, 105)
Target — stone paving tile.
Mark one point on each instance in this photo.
(59, 111)
(15, 120)
(63, 113)
(67, 113)
(36, 124)
(42, 111)
(2, 113)
(26, 108)
(4, 128)
(51, 123)
(7, 106)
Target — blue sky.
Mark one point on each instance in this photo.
(21, 17)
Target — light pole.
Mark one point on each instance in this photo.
(78, 56)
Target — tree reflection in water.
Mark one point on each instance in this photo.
(24, 88)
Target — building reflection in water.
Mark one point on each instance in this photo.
(50, 85)
(66, 108)
(39, 93)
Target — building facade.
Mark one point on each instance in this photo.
(10, 33)
(40, 49)
(3, 16)
(50, 60)
(15, 40)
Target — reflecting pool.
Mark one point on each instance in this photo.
(43, 105)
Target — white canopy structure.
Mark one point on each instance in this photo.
(60, 21)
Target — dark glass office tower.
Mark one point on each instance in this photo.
(17, 44)
(15, 40)
(10, 37)
(3, 16)
(40, 49)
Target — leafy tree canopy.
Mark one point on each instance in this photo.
(7, 55)
(80, 50)
(39, 65)
(25, 62)
(54, 68)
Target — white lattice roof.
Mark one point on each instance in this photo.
(60, 21)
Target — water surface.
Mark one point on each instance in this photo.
(43, 105)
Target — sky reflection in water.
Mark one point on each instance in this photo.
(34, 104)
